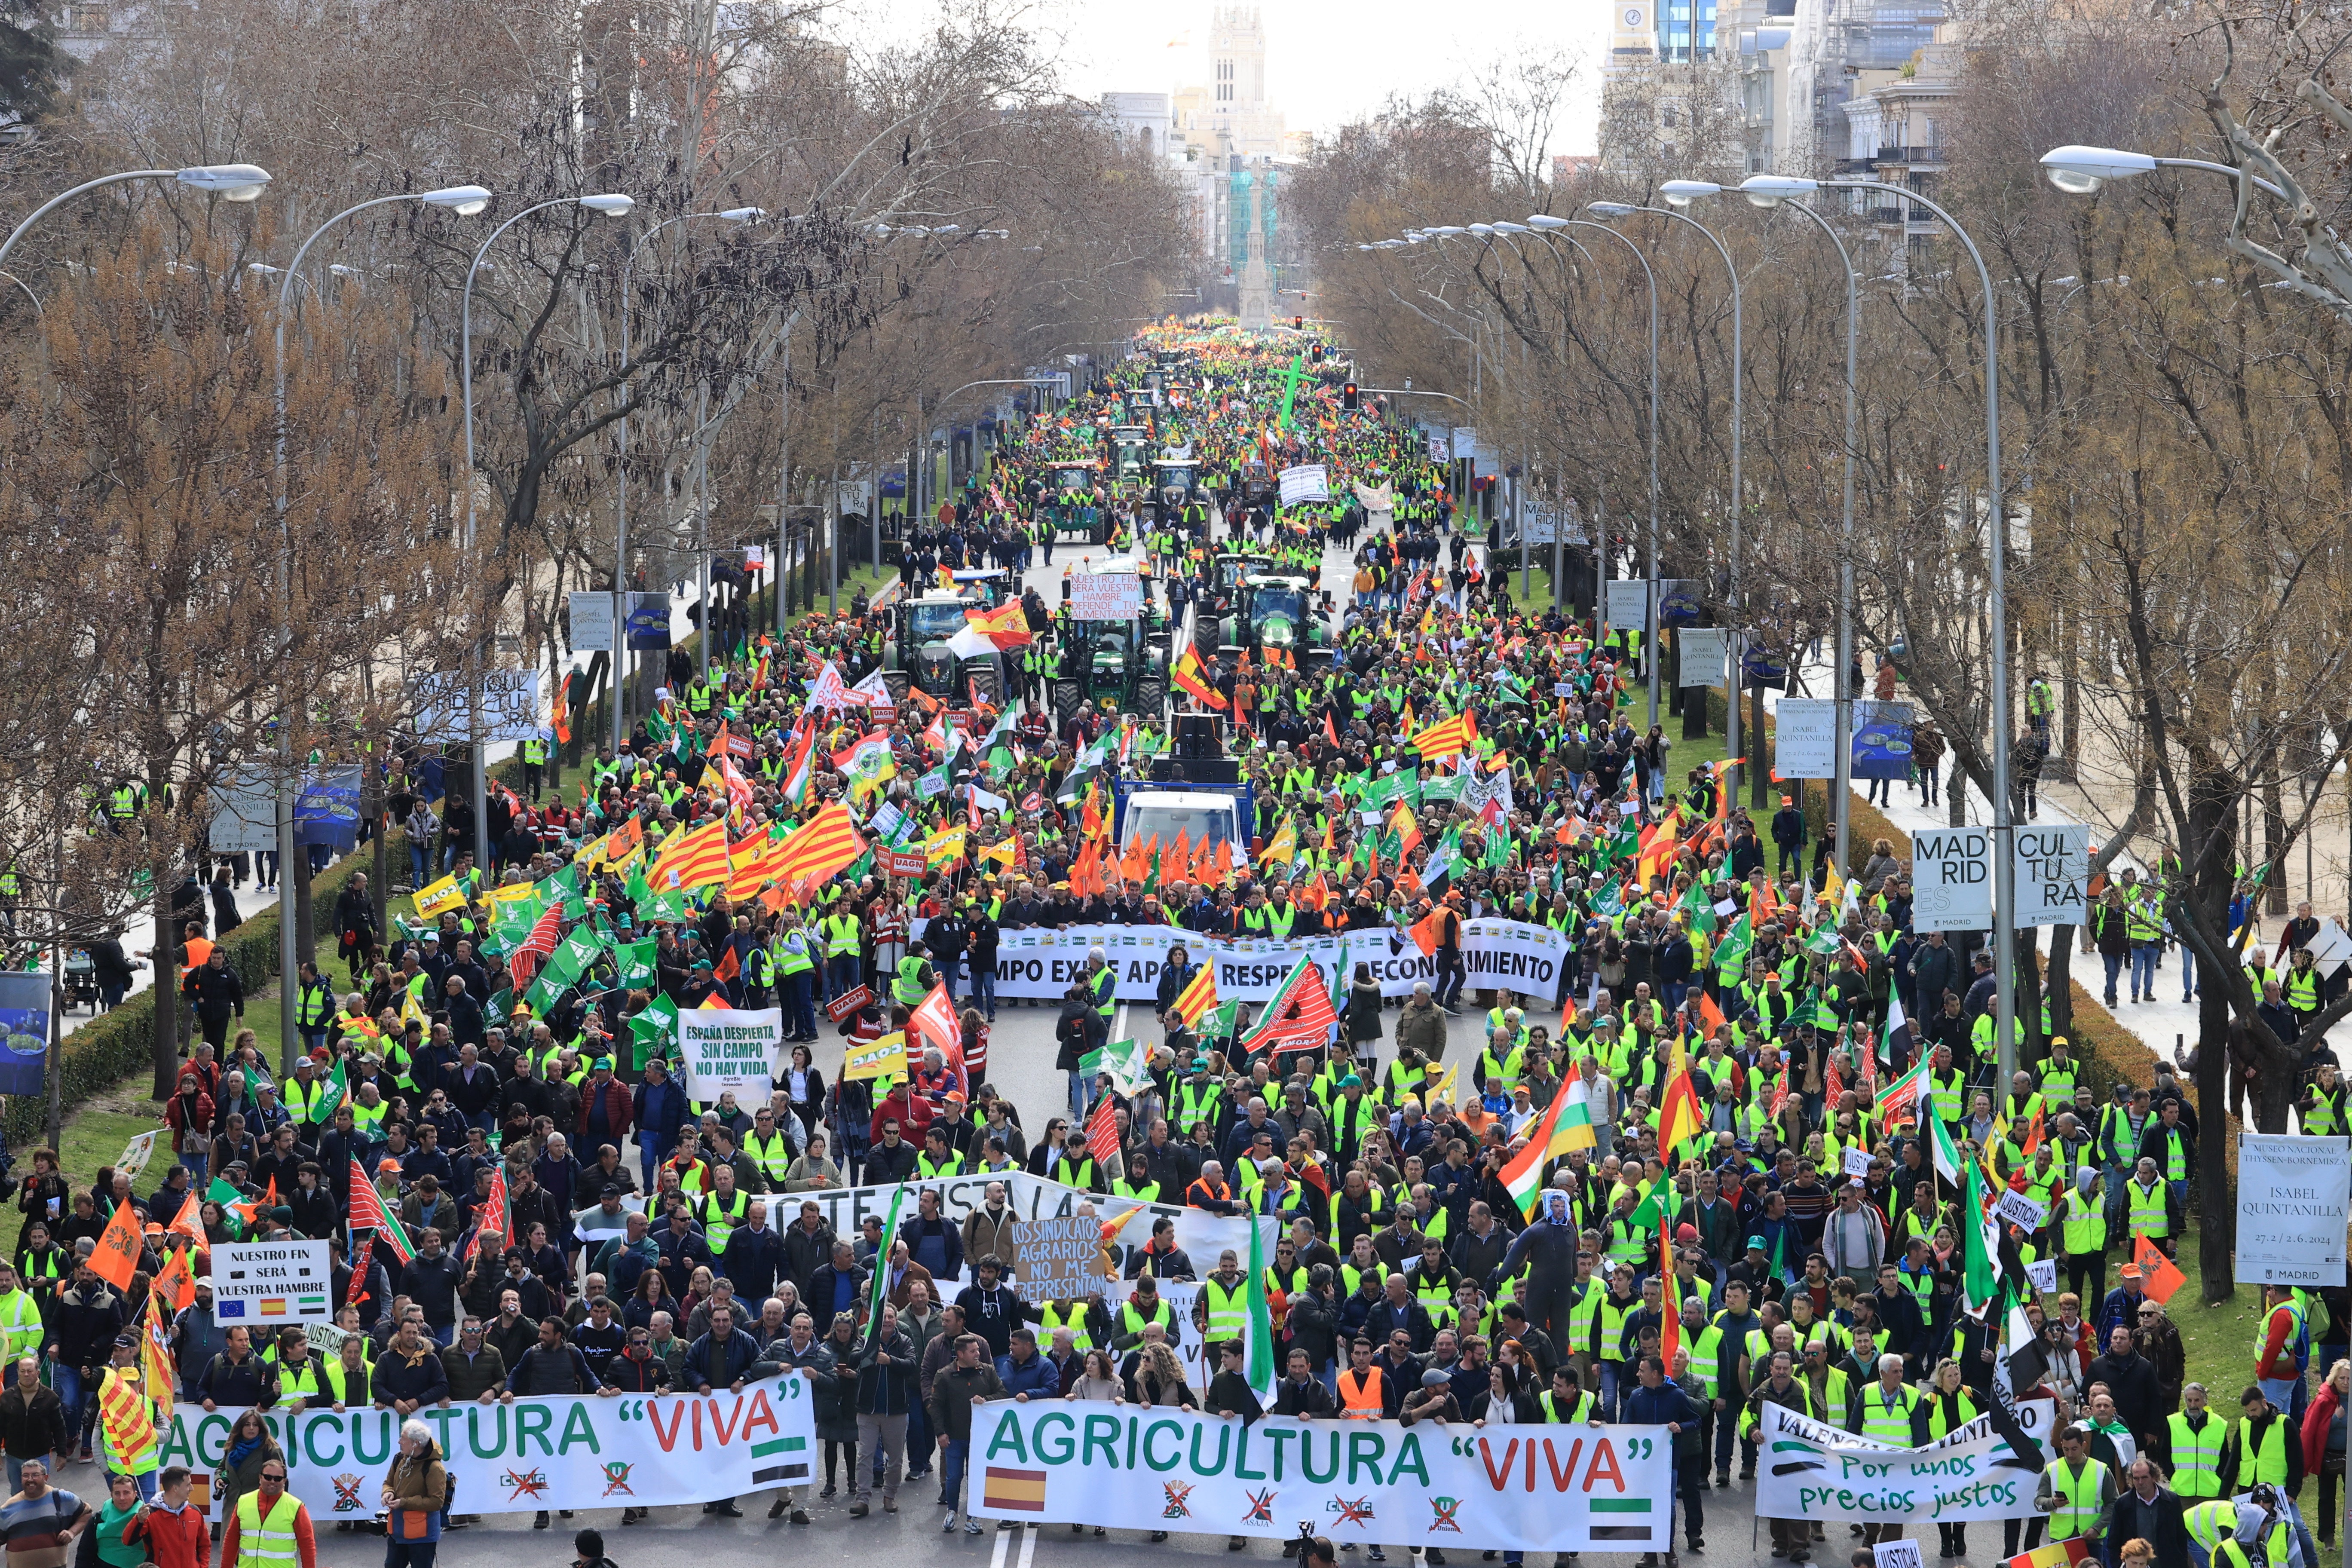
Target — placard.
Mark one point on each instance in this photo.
(2043, 1275)
(2052, 865)
(1706, 651)
(1952, 879)
(728, 1048)
(1106, 596)
(1627, 604)
(1819, 1472)
(265, 1285)
(1061, 1257)
(592, 622)
(2331, 947)
(2016, 1208)
(876, 1058)
(904, 863)
(648, 625)
(1441, 449)
(1804, 738)
(1857, 1163)
(848, 1002)
(1896, 1554)
(509, 705)
(2292, 1195)
(1305, 482)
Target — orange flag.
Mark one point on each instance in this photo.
(1710, 1016)
(2158, 1274)
(119, 1249)
(1224, 860)
(1179, 863)
(189, 1222)
(178, 1282)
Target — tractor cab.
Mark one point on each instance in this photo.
(1131, 452)
(1174, 480)
(917, 653)
(1277, 620)
(1112, 665)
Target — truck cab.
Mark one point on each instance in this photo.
(1204, 813)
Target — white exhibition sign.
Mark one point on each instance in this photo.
(2293, 1191)
(2052, 873)
(1804, 738)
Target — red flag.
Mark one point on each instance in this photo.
(1670, 1310)
(492, 1212)
(1102, 1134)
(730, 966)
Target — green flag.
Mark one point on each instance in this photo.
(882, 1274)
(1976, 1274)
(1260, 1343)
(1731, 953)
(223, 1193)
(636, 962)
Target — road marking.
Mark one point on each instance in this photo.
(1004, 1540)
(1028, 1542)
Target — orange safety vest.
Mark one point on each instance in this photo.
(1218, 1194)
(1368, 1400)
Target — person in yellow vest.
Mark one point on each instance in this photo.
(270, 1528)
(2076, 1491)
(127, 1418)
(1883, 1410)
(2262, 1447)
(2193, 1439)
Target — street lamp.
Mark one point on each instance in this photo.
(466, 201)
(2081, 170)
(230, 182)
(612, 205)
(1551, 221)
(1768, 191)
(2004, 867)
(1680, 193)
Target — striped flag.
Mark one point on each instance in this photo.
(819, 847)
(1299, 1014)
(695, 859)
(523, 962)
(1200, 994)
(368, 1212)
(1443, 740)
(1523, 1174)
(1190, 676)
(1102, 1134)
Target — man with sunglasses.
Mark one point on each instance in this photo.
(269, 1527)
(636, 1370)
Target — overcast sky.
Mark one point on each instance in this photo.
(1328, 61)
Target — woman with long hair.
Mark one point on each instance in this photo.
(652, 1295)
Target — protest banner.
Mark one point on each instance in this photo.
(2026, 1213)
(265, 1285)
(1815, 1472)
(1040, 964)
(1303, 482)
(1895, 1554)
(2292, 1195)
(536, 1453)
(883, 1055)
(848, 1002)
(1106, 596)
(1061, 1257)
(135, 1155)
(1513, 1489)
(1199, 1232)
(727, 1048)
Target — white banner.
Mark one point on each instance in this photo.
(554, 1453)
(1514, 1489)
(1627, 604)
(1705, 650)
(2053, 873)
(1952, 879)
(730, 1049)
(1441, 449)
(508, 699)
(1306, 482)
(2292, 1193)
(1815, 1472)
(265, 1285)
(1804, 738)
(1105, 596)
(1040, 964)
(592, 622)
(245, 819)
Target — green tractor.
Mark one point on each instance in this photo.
(1279, 615)
(1131, 453)
(1113, 663)
(1227, 572)
(918, 654)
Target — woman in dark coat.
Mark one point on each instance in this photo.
(1364, 1012)
(224, 916)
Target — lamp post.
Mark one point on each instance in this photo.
(1770, 191)
(613, 205)
(465, 201)
(2081, 170)
(1650, 649)
(1680, 193)
(621, 474)
(2004, 867)
(230, 182)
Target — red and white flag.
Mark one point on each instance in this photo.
(1102, 1135)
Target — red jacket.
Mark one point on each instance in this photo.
(912, 1112)
(2315, 1428)
(619, 1106)
(179, 1540)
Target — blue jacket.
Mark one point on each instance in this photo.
(1657, 1407)
(1037, 1380)
(720, 1364)
(660, 1111)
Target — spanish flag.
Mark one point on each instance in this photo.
(1190, 675)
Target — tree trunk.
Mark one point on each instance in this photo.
(2275, 839)
(2059, 977)
(167, 988)
(2210, 876)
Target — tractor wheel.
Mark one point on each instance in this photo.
(1067, 694)
(983, 683)
(896, 682)
(1208, 636)
(1151, 696)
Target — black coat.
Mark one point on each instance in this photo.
(2169, 1534)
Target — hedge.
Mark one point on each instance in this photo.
(113, 1046)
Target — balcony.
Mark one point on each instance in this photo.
(1914, 156)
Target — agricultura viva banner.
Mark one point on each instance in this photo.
(1506, 955)
(1815, 1472)
(628, 1452)
(1511, 1489)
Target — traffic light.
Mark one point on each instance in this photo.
(1315, 353)
(1297, 323)
(1347, 396)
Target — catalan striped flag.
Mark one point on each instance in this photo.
(819, 847)
(1446, 738)
(695, 859)
(1199, 996)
